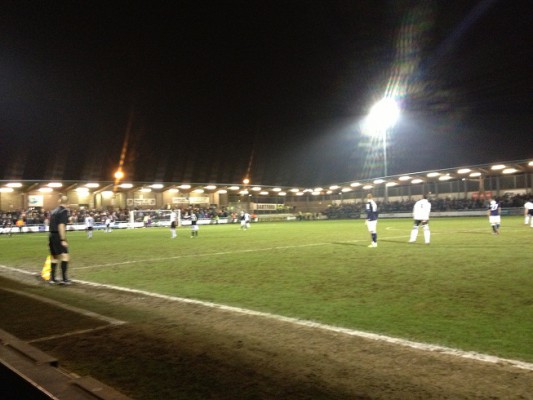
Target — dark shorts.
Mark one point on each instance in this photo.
(173, 224)
(89, 228)
(54, 242)
(530, 212)
(419, 222)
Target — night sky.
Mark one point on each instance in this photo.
(212, 91)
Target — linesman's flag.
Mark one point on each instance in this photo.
(47, 269)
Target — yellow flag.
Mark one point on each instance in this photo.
(47, 268)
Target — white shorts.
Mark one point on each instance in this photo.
(194, 227)
(495, 219)
(371, 225)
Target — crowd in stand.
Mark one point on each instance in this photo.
(38, 216)
(354, 210)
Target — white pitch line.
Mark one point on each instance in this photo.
(72, 333)
(87, 313)
(222, 253)
(311, 324)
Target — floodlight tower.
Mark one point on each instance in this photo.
(382, 117)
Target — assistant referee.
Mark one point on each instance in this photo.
(57, 241)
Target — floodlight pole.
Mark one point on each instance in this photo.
(385, 172)
(382, 117)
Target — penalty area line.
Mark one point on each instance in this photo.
(486, 358)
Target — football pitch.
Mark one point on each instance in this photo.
(468, 289)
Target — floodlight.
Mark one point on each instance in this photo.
(497, 167)
(415, 181)
(382, 116)
(14, 185)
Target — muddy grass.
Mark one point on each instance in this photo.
(169, 350)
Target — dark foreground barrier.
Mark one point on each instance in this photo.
(28, 373)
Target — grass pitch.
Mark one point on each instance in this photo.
(468, 289)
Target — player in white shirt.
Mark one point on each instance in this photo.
(528, 213)
(421, 211)
(173, 223)
(245, 220)
(494, 216)
(108, 224)
(89, 225)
